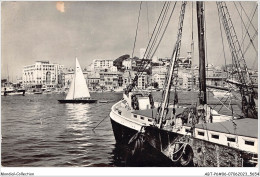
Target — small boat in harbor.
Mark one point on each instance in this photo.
(78, 91)
(11, 91)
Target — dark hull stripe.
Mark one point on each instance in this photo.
(122, 133)
(77, 101)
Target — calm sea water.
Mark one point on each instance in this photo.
(37, 131)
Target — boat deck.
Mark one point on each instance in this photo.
(151, 113)
(228, 127)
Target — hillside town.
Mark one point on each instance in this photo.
(115, 75)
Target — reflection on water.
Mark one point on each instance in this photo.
(39, 131)
(78, 117)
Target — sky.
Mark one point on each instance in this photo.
(60, 31)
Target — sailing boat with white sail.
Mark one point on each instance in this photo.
(78, 91)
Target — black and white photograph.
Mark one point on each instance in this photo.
(117, 84)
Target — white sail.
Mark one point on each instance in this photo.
(78, 87)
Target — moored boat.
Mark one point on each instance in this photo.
(197, 135)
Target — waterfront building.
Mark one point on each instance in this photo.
(155, 59)
(99, 64)
(215, 76)
(184, 62)
(164, 61)
(127, 77)
(142, 52)
(142, 82)
(254, 77)
(158, 75)
(68, 76)
(129, 63)
(185, 78)
(93, 81)
(41, 73)
(108, 80)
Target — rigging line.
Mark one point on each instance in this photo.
(154, 29)
(253, 67)
(155, 38)
(206, 46)
(164, 30)
(232, 40)
(224, 105)
(206, 43)
(248, 25)
(192, 49)
(242, 29)
(152, 35)
(192, 21)
(147, 18)
(159, 30)
(245, 28)
(137, 28)
(248, 17)
(171, 69)
(250, 44)
(223, 47)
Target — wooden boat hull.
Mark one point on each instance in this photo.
(78, 101)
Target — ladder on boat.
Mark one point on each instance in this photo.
(236, 51)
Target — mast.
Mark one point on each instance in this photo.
(169, 78)
(202, 71)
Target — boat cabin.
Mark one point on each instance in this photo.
(137, 100)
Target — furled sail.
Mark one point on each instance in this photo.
(78, 87)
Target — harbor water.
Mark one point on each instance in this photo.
(37, 131)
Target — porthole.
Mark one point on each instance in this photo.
(230, 139)
(201, 133)
(251, 143)
(214, 136)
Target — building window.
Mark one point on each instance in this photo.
(135, 116)
(48, 78)
(142, 118)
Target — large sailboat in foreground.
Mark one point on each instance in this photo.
(78, 91)
(196, 135)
